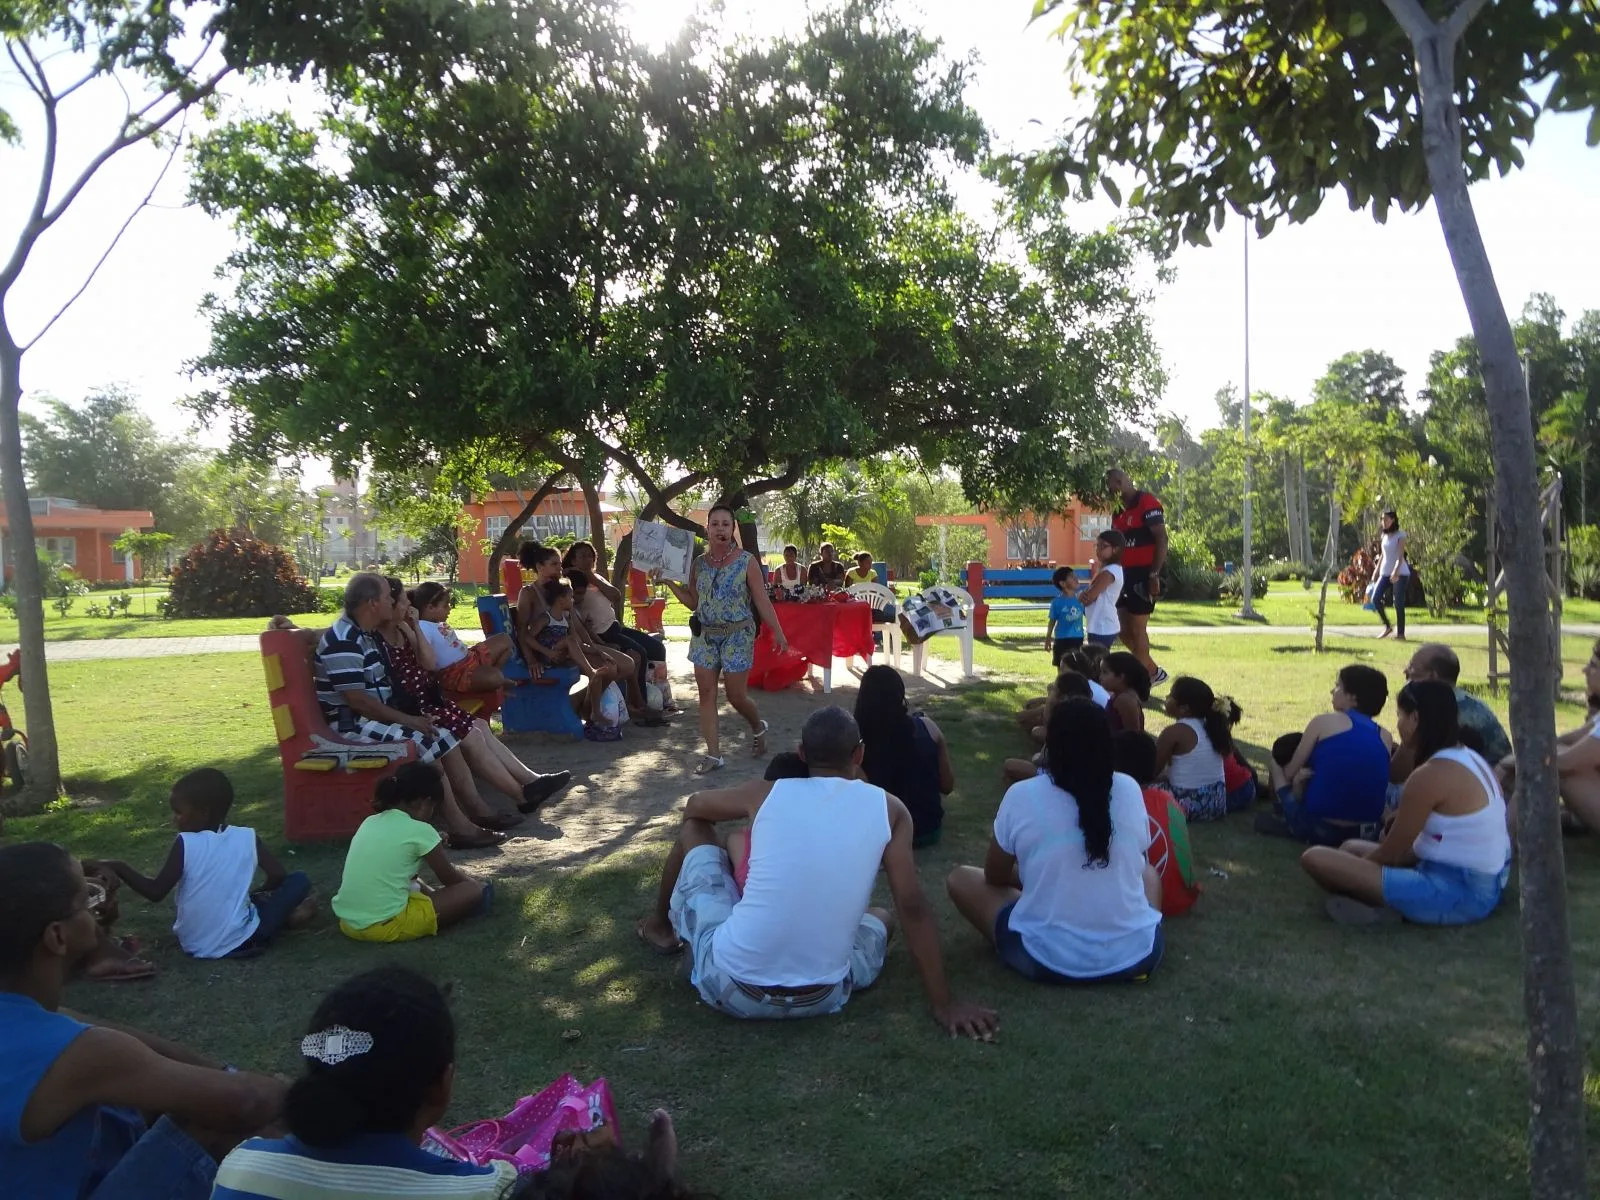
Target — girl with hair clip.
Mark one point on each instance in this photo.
(1446, 857)
(1191, 750)
(380, 898)
(379, 1064)
(725, 593)
(1066, 893)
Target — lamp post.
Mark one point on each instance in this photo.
(1246, 610)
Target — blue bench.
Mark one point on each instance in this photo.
(532, 705)
(1030, 585)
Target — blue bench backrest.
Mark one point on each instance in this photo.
(1021, 583)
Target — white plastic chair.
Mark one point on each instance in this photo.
(964, 599)
(881, 598)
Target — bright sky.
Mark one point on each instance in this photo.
(1341, 282)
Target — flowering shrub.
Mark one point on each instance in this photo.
(235, 574)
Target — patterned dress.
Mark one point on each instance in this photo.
(423, 690)
(727, 637)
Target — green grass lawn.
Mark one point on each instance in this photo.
(1274, 1054)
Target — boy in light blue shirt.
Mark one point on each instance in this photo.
(1065, 631)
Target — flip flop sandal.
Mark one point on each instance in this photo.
(656, 947)
(475, 841)
(758, 741)
(707, 764)
(498, 822)
(132, 971)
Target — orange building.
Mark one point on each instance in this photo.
(1063, 539)
(563, 513)
(80, 536)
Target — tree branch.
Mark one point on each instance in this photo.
(660, 499)
(788, 479)
(1413, 19)
(177, 144)
(1460, 17)
(47, 172)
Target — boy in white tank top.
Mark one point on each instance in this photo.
(213, 866)
(802, 937)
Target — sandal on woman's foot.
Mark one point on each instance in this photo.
(475, 841)
(498, 822)
(666, 950)
(1346, 910)
(758, 742)
(709, 763)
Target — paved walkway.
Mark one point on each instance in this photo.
(98, 648)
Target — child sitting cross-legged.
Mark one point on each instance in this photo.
(1191, 750)
(1128, 681)
(380, 898)
(1067, 685)
(213, 864)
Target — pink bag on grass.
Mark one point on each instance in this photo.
(525, 1136)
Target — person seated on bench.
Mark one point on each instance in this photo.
(1446, 857)
(462, 668)
(598, 604)
(354, 689)
(1066, 893)
(75, 1095)
(532, 606)
(1332, 782)
(411, 668)
(827, 572)
(801, 939)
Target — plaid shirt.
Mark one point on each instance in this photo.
(349, 659)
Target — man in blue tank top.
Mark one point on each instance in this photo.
(71, 1093)
(797, 938)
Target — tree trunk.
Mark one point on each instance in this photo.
(1556, 1136)
(597, 522)
(1289, 522)
(508, 539)
(1305, 505)
(1332, 556)
(44, 758)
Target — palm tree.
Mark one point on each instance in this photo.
(1568, 433)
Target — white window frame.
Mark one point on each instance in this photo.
(494, 527)
(1034, 533)
(64, 548)
(1092, 525)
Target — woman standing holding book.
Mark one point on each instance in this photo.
(724, 592)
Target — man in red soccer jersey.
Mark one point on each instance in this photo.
(1143, 522)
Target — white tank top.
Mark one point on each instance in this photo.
(214, 911)
(596, 611)
(1102, 615)
(1202, 766)
(815, 849)
(1475, 841)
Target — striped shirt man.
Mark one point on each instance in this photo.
(377, 1164)
(352, 659)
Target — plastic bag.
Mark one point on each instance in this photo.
(613, 706)
(526, 1135)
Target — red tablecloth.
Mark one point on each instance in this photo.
(817, 633)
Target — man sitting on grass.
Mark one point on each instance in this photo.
(73, 1096)
(801, 937)
(1434, 662)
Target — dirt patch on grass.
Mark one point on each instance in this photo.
(632, 791)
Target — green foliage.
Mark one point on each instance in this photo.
(1187, 546)
(755, 239)
(1190, 581)
(1583, 560)
(1230, 587)
(1439, 517)
(962, 544)
(1265, 108)
(1279, 570)
(234, 574)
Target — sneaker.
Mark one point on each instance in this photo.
(536, 791)
(1159, 677)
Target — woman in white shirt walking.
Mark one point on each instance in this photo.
(1394, 577)
(1066, 893)
(1446, 857)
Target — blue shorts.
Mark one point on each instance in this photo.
(1015, 955)
(1319, 831)
(1107, 640)
(163, 1162)
(1433, 893)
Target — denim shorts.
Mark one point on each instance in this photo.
(165, 1161)
(704, 898)
(1433, 893)
(1107, 640)
(1318, 831)
(1015, 955)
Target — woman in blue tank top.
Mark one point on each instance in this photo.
(1331, 783)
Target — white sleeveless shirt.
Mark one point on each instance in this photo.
(214, 911)
(1474, 841)
(1202, 766)
(815, 849)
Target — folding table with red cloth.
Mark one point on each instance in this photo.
(818, 633)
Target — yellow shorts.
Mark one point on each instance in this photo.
(418, 919)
